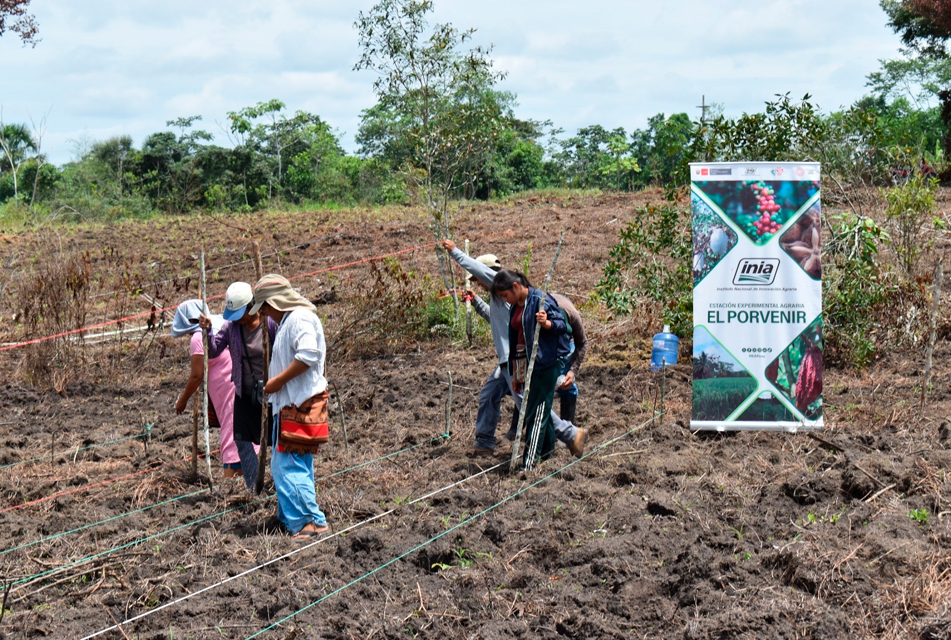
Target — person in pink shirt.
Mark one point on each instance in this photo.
(220, 386)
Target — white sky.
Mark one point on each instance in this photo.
(113, 67)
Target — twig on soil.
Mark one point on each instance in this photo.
(512, 607)
(822, 440)
(68, 578)
(6, 594)
(892, 550)
(512, 559)
(625, 453)
(118, 626)
(880, 492)
(870, 476)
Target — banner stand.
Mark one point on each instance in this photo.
(757, 296)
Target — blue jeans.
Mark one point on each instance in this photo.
(496, 386)
(293, 475)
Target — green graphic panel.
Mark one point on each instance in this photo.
(767, 408)
(720, 383)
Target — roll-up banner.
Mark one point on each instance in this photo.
(757, 296)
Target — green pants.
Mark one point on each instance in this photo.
(539, 430)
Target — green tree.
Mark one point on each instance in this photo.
(16, 142)
(172, 168)
(437, 108)
(925, 28)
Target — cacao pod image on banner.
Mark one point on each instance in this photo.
(797, 372)
(757, 296)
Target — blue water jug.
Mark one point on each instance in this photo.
(665, 349)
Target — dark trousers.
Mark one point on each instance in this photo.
(539, 430)
(247, 433)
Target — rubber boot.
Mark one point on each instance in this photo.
(569, 404)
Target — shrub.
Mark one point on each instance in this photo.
(909, 207)
(650, 267)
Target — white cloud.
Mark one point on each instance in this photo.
(112, 67)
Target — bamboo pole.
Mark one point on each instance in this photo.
(266, 348)
(516, 446)
(204, 381)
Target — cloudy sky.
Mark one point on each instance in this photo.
(111, 67)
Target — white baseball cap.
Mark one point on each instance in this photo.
(490, 260)
(237, 299)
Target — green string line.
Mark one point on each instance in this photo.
(43, 574)
(71, 451)
(451, 529)
(96, 524)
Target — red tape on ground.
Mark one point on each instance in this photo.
(17, 345)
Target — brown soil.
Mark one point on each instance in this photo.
(657, 533)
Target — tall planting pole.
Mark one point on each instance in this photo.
(516, 446)
(266, 348)
(204, 381)
(468, 302)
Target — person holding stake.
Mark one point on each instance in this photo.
(499, 382)
(220, 387)
(297, 390)
(242, 335)
(530, 306)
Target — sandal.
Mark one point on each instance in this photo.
(306, 533)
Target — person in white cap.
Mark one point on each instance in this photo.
(220, 388)
(241, 336)
(499, 382)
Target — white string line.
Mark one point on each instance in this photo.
(288, 554)
(453, 528)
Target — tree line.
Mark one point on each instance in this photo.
(442, 129)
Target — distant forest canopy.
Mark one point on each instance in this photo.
(456, 135)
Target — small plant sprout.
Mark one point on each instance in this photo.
(920, 516)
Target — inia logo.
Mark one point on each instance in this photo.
(756, 271)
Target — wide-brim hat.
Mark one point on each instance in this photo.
(278, 292)
(237, 299)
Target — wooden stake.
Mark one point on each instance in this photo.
(343, 420)
(468, 302)
(204, 381)
(266, 348)
(513, 466)
(195, 411)
(449, 407)
(939, 275)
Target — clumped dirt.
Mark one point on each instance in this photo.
(657, 533)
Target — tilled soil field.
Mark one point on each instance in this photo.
(657, 532)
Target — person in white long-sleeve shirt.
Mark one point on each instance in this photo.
(295, 375)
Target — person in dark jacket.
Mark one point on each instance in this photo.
(530, 306)
(241, 335)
